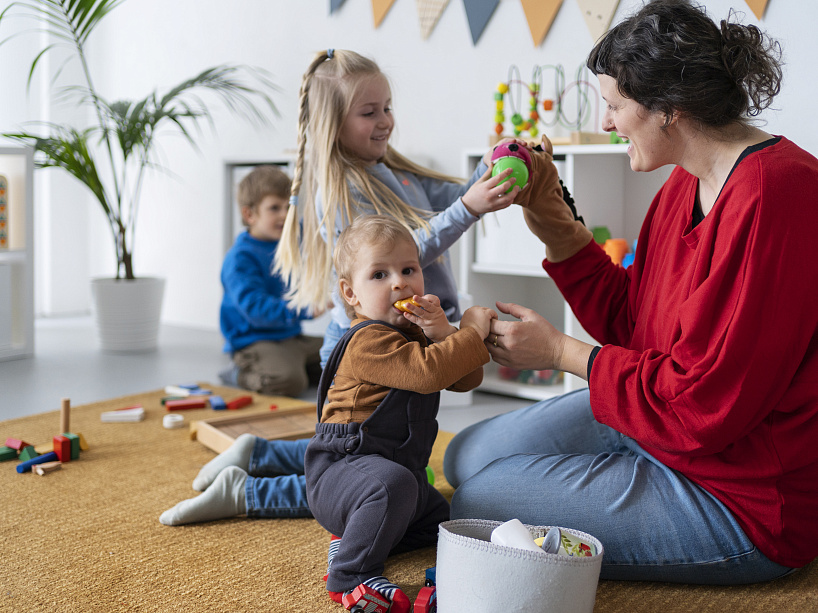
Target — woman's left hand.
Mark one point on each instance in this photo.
(530, 343)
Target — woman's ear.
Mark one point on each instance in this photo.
(348, 293)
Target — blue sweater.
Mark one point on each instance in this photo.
(253, 308)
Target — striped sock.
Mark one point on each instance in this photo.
(334, 544)
(385, 588)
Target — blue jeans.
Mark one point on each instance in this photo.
(332, 335)
(275, 484)
(553, 464)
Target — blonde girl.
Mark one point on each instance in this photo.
(345, 167)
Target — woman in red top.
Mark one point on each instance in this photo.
(692, 456)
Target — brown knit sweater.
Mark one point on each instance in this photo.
(378, 359)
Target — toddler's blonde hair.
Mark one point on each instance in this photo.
(304, 258)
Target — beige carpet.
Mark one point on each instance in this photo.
(87, 537)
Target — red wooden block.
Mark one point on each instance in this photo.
(241, 401)
(186, 403)
(62, 447)
(16, 443)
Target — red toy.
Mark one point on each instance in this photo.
(62, 447)
(187, 403)
(241, 401)
(363, 599)
(426, 601)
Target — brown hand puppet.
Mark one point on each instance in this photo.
(547, 214)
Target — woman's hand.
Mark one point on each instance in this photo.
(533, 343)
(487, 195)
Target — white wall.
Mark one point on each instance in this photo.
(442, 89)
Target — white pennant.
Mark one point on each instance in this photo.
(429, 12)
(598, 15)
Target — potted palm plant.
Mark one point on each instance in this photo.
(112, 155)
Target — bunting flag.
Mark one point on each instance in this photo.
(757, 6)
(379, 10)
(478, 13)
(540, 15)
(598, 15)
(429, 12)
(334, 5)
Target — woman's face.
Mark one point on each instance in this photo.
(650, 147)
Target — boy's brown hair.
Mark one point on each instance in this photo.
(263, 181)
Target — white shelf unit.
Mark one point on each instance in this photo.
(501, 260)
(16, 260)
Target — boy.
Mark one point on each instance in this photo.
(270, 354)
(365, 467)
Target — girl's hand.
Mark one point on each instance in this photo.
(487, 195)
(479, 318)
(430, 316)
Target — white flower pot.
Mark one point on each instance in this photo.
(127, 313)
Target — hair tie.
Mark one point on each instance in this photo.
(330, 53)
(294, 200)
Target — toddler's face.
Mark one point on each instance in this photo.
(366, 128)
(383, 275)
(266, 222)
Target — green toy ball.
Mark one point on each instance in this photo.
(511, 156)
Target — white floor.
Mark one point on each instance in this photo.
(68, 364)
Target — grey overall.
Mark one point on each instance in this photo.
(366, 482)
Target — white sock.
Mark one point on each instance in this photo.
(238, 454)
(224, 498)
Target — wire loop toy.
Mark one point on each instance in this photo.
(554, 108)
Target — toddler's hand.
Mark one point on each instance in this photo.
(479, 318)
(430, 316)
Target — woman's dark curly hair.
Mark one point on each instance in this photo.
(672, 58)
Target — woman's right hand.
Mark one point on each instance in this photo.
(487, 195)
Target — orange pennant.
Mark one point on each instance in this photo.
(540, 15)
(757, 6)
(379, 10)
(598, 15)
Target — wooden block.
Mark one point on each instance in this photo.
(7, 453)
(75, 444)
(590, 138)
(187, 403)
(288, 423)
(62, 447)
(241, 401)
(28, 453)
(24, 467)
(217, 403)
(83, 444)
(46, 467)
(44, 447)
(16, 443)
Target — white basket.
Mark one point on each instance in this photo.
(475, 575)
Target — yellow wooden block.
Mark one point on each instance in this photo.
(83, 443)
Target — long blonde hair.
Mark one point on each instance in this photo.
(303, 257)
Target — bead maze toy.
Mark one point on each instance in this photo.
(555, 109)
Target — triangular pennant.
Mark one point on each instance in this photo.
(379, 10)
(429, 12)
(478, 13)
(334, 5)
(598, 15)
(757, 6)
(540, 15)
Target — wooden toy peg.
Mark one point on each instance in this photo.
(65, 415)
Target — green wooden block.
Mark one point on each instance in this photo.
(28, 453)
(75, 444)
(7, 453)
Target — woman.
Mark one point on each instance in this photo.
(692, 455)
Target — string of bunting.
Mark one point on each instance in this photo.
(539, 14)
